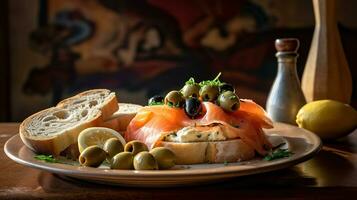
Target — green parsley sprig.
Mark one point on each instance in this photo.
(277, 154)
(191, 81)
(156, 103)
(214, 82)
(46, 158)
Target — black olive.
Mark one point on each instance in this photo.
(157, 99)
(226, 87)
(193, 107)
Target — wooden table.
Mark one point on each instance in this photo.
(332, 174)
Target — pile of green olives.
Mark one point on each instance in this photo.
(143, 159)
(190, 96)
(93, 156)
(134, 155)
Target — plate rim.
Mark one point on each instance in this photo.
(217, 171)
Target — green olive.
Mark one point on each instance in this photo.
(112, 146)
(123, 160)
(174, 98)
(209, 93)
(190, 90)
(165, 158)
(92, 156)
(135, 147)
(145, 161)
(229, 101)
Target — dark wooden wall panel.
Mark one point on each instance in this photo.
(4, 63)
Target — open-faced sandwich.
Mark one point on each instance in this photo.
(204, 122)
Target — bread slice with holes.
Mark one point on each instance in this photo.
(53, 130)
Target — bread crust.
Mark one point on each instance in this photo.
(210, 152)
(56, 144)
(119, 121)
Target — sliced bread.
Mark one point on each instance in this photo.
(210, 152)
(122, 117)
(53, 130)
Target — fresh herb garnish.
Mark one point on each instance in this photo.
(156, 103)
(46, 158)
(215, 81)
(277, 154)
(190, 81)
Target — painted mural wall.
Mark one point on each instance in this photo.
(139, 48)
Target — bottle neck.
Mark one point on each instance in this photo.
(287, 62)
(287, 57)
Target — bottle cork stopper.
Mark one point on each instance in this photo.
(287, 45)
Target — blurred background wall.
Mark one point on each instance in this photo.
(51, 49)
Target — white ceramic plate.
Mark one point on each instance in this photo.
(302, 143)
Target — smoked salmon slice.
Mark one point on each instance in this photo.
(152, 123)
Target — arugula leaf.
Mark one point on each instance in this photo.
(277, 154)
(46, 158)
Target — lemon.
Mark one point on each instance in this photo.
(329, 119)
(97, 136)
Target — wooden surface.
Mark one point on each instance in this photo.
(326, 74)
(332, 174)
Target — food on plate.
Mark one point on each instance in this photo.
(92, 156)
(277, 154)
(134, 156)
(193, 107)
(165, 157)
(97, 136)
(122, 117)
(156, 100)
(217, 128)
(113, 146)
(122, 160)
(78, 126)
(145, 161)
(135, 147)
(53, 130)
(226, 87)
(229, 101)
(209, 92)
(329, 119)
(191, 89)
(174, 98)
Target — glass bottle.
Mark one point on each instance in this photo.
(285, 97)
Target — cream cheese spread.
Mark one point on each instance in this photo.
(196, 134)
